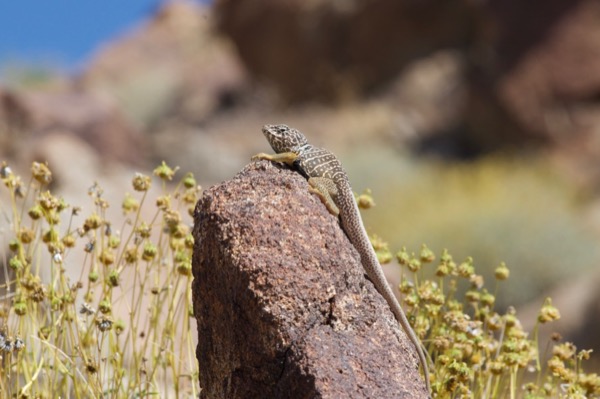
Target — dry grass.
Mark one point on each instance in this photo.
(64, 337)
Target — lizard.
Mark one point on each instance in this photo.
(328, 179)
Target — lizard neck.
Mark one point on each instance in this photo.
(302, 149)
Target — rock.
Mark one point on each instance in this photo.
(174, 68)
(29, 116)
(281, 301)
(172, 77)
(74, 163)
(537, 76)
(13, 120)
(330, 50)
(96, 120)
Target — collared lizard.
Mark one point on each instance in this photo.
(329, 181)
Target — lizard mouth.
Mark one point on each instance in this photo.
(267, 128)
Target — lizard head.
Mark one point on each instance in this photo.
(283, 138)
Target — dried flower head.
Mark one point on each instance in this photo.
(189, 181)
(92, 222)
(548, 312)
(426, 255)
(502, 272)
(365, 200)
(130, 204)
(41, 173)
(141, 182)
(165, 172)
(163, 202)
(403, 257)
(466, 268)
(47, 201)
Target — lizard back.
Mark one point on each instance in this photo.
(318, 162)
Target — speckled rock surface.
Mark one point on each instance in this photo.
(282, 305)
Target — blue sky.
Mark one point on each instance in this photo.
(64, 33)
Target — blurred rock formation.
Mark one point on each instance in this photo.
(174, 67)
(536, 79)
(28, 116)
(330, 50)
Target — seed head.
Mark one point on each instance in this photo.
(165, 172)
(141, 182)
(189, 181)
(41, 173)
(365, 200)
(149, 252)
(426, 255)
(502, 272)
(548, 312)
(130, 204)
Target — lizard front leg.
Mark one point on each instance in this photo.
(326, 189)
(285, 157)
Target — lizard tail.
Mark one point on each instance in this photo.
(355, 229)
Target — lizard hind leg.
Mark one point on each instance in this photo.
(326, 190)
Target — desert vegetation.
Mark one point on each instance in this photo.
(123, 327)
